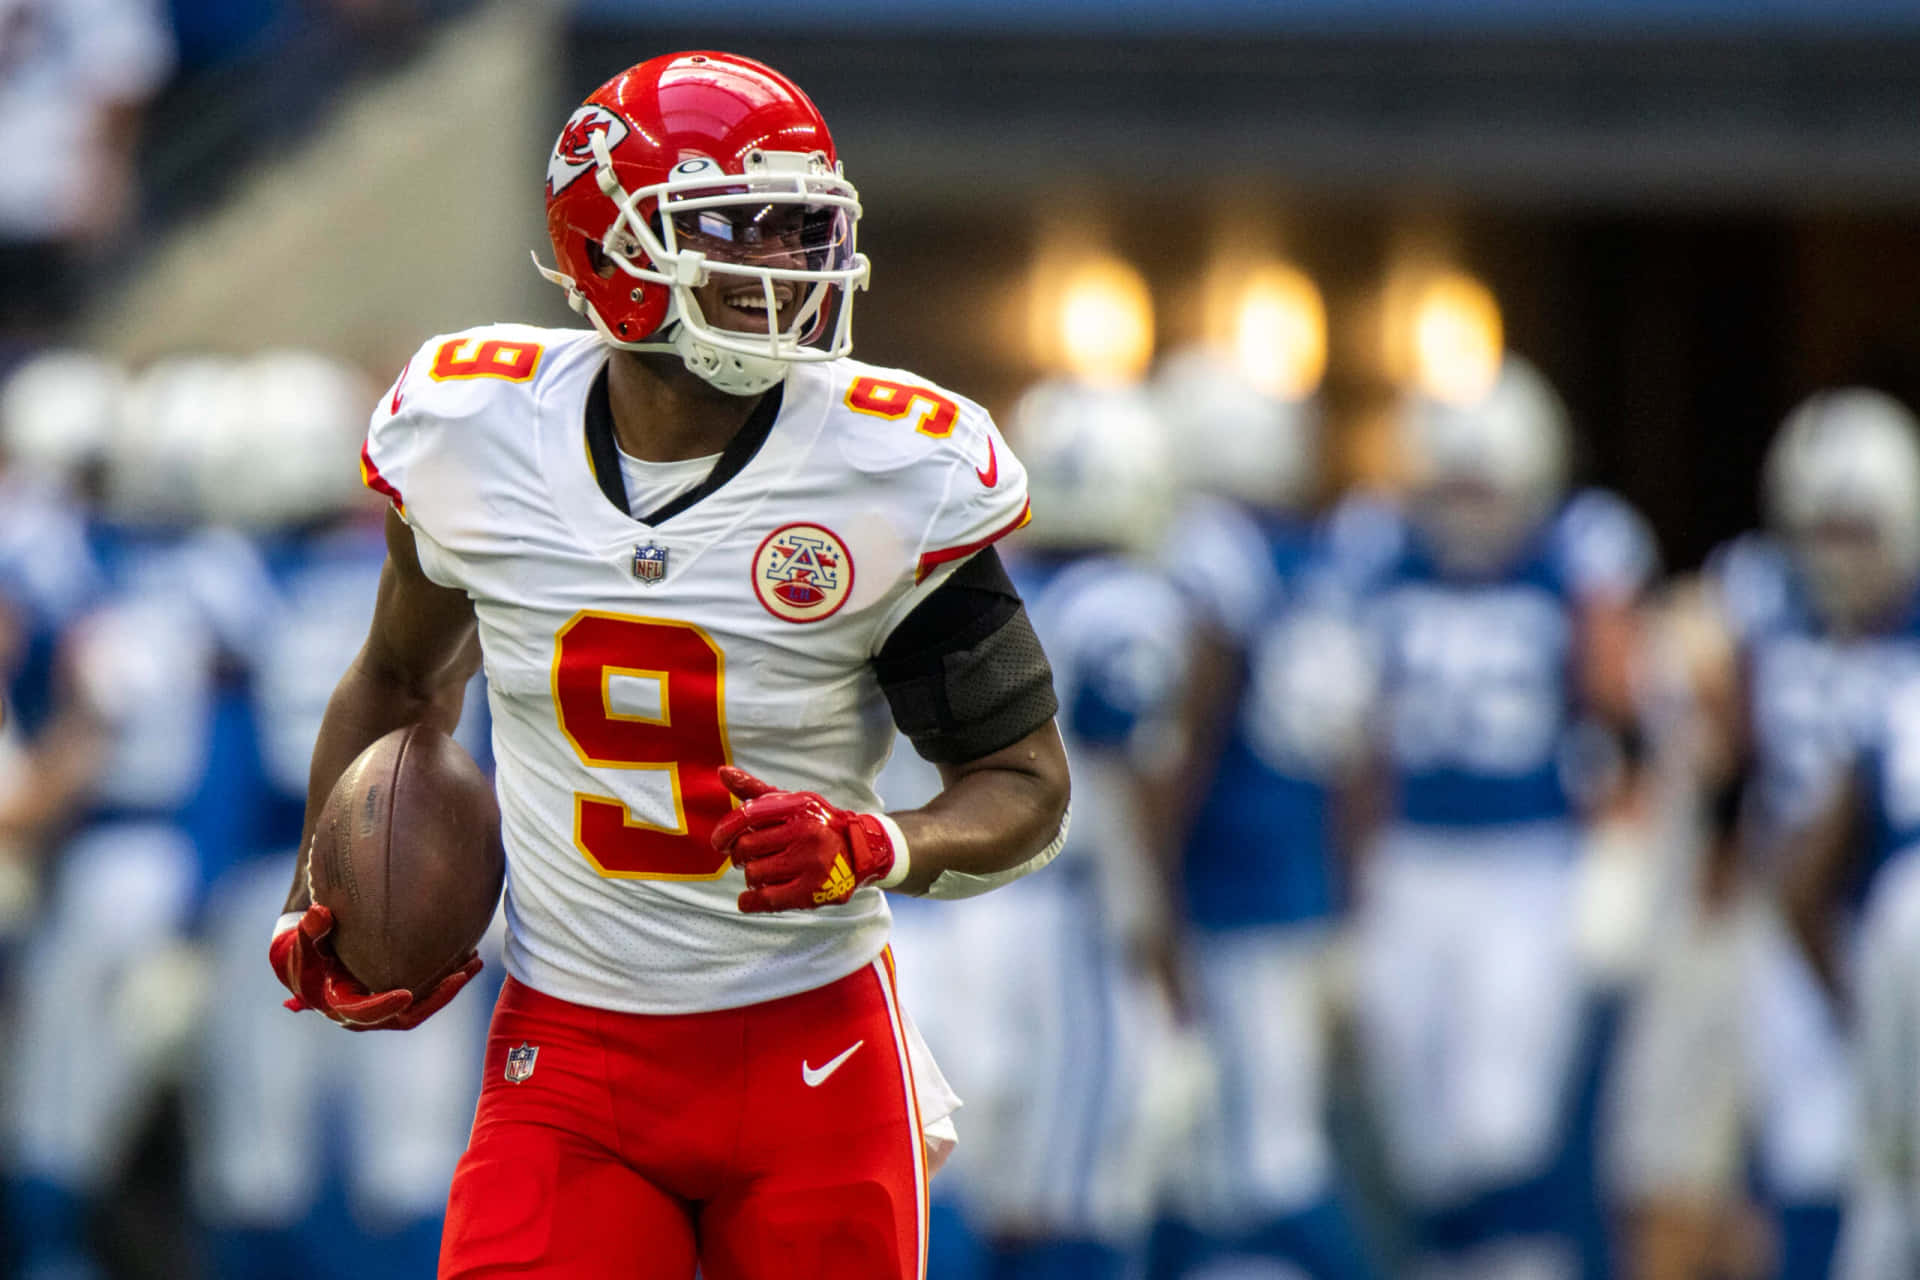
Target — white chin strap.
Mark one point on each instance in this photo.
(733, 372)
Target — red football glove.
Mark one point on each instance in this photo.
(798, 851)
(319, 981)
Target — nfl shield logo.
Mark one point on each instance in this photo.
(520, 1062)
(650, 563)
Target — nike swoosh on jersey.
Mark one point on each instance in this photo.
(816, 1076)
(990, 474)
(398, 383)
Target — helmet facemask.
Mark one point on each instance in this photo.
(784, 229)
(1843, 487)
(1487, 474)
(1857, 570)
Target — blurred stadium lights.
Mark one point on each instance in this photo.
(1446, 335)
(1093, 318)
(1279, 333)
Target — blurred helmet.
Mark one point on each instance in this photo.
(1843, 487)
(57, 413)
(175, 417)
(1098, 466)
(290, 454)
(1485, 473)
(1233, 439)
(742, 163)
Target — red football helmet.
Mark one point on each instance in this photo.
(703, 165)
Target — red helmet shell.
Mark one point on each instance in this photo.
(666, 110)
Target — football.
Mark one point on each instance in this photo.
(407, 856)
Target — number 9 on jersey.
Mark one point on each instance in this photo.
(684, 737)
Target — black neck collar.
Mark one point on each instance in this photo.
(604, 454)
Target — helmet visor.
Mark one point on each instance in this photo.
(790, 235)
(792, 223)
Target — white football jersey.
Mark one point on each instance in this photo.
(626, 663)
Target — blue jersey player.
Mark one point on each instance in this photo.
(1501, 615)
(55, 412)
(1853, 898)
(1282, 681)
(145, 658)
(1069, 1062)
(1825, 614)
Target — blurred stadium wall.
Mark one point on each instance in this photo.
(409, 213)
(1691, 212)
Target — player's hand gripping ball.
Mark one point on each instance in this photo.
(798, 851)
(308, 967)
(405, 870)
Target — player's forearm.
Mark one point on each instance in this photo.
(993, 815)
(369, 703)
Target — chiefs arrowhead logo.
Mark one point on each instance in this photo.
(573, 153)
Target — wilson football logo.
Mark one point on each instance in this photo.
(573, 153)
(802, 573)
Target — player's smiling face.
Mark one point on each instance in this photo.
(770, 235)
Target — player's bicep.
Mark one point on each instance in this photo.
(424, 637)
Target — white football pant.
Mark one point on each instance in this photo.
(1469, 1003)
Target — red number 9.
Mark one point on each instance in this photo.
(687, 741)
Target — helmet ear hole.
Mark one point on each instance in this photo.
(597, 258)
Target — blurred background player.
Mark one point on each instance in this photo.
(1501, 611)
(1825, 622)
(315, 1154)
(1280, 688)
(1056, 993)
(103, 989)
(56, 412)
(1853, 901)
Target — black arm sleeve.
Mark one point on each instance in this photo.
(964, 673)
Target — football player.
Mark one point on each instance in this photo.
(1503, 616)
(1853, 900)
(145, 660)
(265, 1180)
(1825, 617)
(55, 415)
(1285, 682)
(702, 555)
(56, 412)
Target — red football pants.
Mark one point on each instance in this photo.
(747, 1140)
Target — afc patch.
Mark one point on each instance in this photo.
(520, 1062)
(802, 573)
(650, 563)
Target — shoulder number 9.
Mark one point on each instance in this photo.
(493, 358)
(884, 399)
(686, 741)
